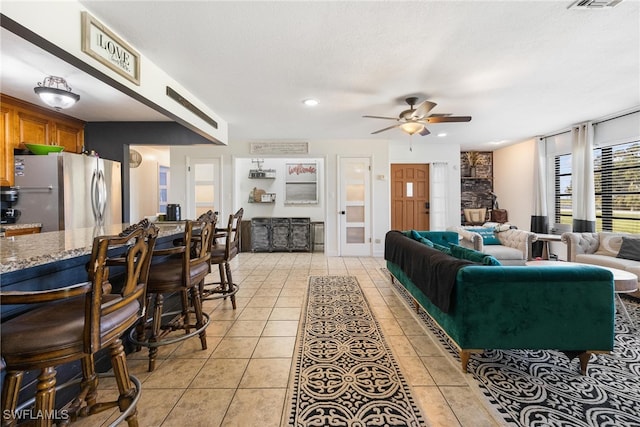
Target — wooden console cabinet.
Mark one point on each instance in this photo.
(280, 234)
(25, 122)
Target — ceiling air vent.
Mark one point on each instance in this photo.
(593, 4)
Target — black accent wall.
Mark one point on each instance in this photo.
(111, 140)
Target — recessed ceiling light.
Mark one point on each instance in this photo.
(441, 134)
(310, 102)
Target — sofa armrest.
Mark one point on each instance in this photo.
(469, 239)
(580, 243)
(518, 239)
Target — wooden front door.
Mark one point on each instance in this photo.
(409, 196)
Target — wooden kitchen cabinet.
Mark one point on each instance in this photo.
(25, 122)
(69, 135)
(6, 153)
(21, 231)
(32, 128)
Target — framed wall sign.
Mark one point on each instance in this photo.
(104, 46)
(301, 183)
(279, 148)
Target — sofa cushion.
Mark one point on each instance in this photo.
(488, 235)
(606, 261)
(630, 249)
(504, 252)
(609, 243)
(461, 252)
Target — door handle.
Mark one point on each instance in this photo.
(343, 212)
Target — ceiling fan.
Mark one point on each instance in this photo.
(414, 120)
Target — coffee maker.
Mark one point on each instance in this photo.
(9, 197)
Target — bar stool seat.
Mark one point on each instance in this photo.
(222, 254)
(57, 328)
(181, 270)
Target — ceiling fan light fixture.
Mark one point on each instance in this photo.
(411, 127)
(55, 92)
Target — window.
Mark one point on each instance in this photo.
(616, 172)
(163, 188)
(564, 213)
(617, 187)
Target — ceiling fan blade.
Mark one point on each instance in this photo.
(448, 119)
(380, 117)
(424, 132)
(387, 128)
(440, 115)
(423, 109)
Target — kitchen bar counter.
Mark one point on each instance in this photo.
(55, 259)
(21, 252)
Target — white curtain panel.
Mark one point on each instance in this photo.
(438, 196)
(583, 190)
(540, 178)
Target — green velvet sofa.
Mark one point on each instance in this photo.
(509, 307)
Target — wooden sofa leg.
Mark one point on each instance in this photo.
(416, 304)
(584, 360)
(464, 359)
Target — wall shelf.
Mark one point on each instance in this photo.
(262, 174)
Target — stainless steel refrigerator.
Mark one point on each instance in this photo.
(64, 191)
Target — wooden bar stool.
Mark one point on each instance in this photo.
(221, 254)
(181, 272)
(74, 323)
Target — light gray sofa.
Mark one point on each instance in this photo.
(514, 247)
(600, 249)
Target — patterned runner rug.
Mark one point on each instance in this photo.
(542, 388)
(345, 372)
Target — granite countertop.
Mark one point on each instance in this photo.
(30, 250)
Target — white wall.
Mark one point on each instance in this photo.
(143, 182)
(143, 200)
(513, 181)
(236, 161)
(244, 185)
(235, 182)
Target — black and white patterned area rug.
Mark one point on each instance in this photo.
(541, 388)
(345, 373)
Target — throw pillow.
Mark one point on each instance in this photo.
(442, 248)
(426, 241)
(461, 252)
(415, 235)
(488, 235)
(630, 249)
(490, 260)
(609, 243)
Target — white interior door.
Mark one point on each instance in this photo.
(355, 206)
(203, 185)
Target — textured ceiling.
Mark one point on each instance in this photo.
(519, 68)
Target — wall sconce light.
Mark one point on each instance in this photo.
(56, 93)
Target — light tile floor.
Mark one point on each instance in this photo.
(241, 378)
